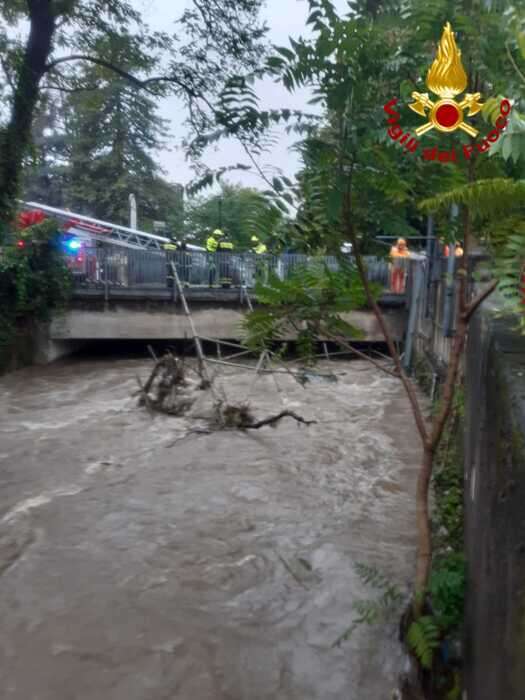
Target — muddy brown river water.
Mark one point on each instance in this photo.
(219, 567)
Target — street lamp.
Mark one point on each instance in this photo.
(133, 212)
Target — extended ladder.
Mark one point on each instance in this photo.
(88, 228)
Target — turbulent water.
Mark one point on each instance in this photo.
(137, 566)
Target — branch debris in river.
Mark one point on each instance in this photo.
(171, 390)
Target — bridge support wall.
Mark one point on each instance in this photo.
(161, 322)
(33, 345)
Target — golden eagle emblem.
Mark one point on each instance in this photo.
(446, 78)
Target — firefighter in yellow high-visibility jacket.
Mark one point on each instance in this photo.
(212, 245)
(258, 247)
(261, 263)
(212, 242)
(224, 249)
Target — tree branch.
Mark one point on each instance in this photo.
(256, 165)
(477, 301)
(275, 419)
(142, 84)
(62, 88)
(262, 174)
(514, 64)
(458, 344)
(345, 344)
(99, 62)
(8, 76)
(408, 386)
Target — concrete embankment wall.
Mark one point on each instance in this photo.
(494, 494)
(495, 509)
(32, 344)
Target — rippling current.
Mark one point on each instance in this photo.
(140, 564)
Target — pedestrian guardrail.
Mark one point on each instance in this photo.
(112, 266)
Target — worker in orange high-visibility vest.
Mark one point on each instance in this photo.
(458, 250)
(399, 254)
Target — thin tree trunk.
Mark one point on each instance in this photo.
(430, 439)
(16, 137)
(407, 384)
(424, 534)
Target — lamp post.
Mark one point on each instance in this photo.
(133, 212)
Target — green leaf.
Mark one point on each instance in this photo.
(506, 148)
(287, 53)
(314, 16)
(275, 62)
(278, 185)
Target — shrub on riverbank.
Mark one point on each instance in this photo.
(35, 283)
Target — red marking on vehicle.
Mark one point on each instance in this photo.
(86, 226)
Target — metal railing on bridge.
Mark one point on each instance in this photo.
(112, 266)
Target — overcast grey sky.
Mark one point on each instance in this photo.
(285, 18)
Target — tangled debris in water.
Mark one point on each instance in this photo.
(171, 390)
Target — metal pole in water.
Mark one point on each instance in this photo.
(196, 338)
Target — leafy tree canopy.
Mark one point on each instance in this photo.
(232, 209)
(215, 44)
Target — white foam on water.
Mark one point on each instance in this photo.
(28, 504)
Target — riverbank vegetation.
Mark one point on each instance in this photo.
(35, 283)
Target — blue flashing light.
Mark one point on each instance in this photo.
(74, 245)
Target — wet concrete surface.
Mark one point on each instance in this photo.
(136, 567)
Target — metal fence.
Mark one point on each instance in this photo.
(432, 299)
(112, 266)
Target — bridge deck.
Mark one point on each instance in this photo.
(195, 293)
(130, 295)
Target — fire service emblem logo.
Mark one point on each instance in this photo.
(446, 78)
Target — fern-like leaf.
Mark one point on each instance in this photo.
(423, 639)
(485, 196)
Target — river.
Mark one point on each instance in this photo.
(137, 566)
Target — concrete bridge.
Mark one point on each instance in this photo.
(128, 295)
